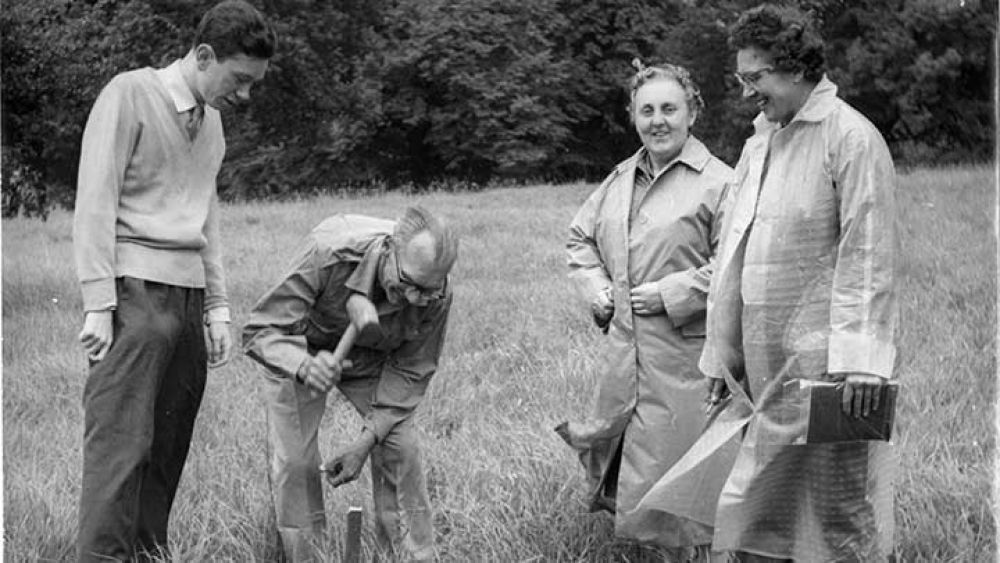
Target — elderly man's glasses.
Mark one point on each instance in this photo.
(430, 293)
(750, 79)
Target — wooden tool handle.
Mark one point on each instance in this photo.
(345, 343)
(352, 539)
(340, 352)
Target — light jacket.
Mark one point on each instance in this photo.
(306, 312)
(650, 392)
(804, 290)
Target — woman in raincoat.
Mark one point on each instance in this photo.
(803, 293)
(640, 252)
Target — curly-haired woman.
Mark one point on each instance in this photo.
(803, 293)
(640, 252)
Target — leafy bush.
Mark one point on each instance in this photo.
(393, 93)
(24, 192)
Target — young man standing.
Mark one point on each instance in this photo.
(147, 248)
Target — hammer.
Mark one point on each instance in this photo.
(363, 320)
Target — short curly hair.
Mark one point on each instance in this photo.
(677, 73)
(787, 34)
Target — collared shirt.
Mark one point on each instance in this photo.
(306, 312)
(180, 93)
(188, 108)
(693, 154)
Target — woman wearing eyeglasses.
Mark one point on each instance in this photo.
(640, 252)
(804, 292)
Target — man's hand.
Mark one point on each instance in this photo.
(603, 309)
(862, 393)
(717, 390)
(97, 334)
(646, 299)
(321, 372)
(345, 466)
(220, 343)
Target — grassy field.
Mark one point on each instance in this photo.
(519, 359)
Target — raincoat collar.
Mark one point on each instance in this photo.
(819, 104)
(694, 154)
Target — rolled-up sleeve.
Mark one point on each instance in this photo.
(274, 335)
(863, 312)
(407, 373)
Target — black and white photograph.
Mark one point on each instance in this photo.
(629, 281)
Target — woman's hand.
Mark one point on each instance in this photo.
(646, 299)
(603, 309)
(717, 391)
(862, 394)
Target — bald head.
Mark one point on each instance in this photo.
(427, 246)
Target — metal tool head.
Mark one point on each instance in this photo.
(369, 331)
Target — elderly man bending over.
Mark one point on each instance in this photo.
(365, 270)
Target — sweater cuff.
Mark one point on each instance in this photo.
(218, 314)
(99, 295)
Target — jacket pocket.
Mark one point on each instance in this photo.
(694, 329)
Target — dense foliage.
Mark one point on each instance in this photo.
(391, 92)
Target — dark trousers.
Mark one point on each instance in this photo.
(140, 405)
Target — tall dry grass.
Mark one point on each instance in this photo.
(519, 358)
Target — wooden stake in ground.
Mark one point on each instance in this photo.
(352, 538)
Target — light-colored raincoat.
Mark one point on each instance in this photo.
(804, 290)
(650, 393)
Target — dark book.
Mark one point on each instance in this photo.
(829, 423)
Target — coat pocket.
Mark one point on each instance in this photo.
(694, 329)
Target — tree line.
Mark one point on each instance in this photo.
(456, 93)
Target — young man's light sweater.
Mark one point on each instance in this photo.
(146, 204)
